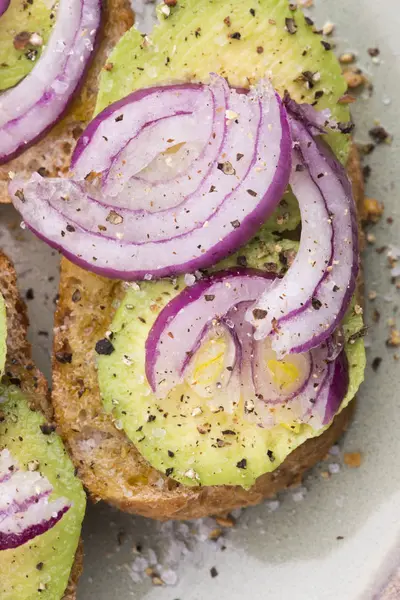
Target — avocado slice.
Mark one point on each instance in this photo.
(199, 446)
(3, 334)
(17, 54)
(242, 40)
(41, 567)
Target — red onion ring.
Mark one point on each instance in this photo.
(208, 298)
(25, 508)
(213, 219)
(4, 4)
(224, 297)
(30, 109)
(303, 315)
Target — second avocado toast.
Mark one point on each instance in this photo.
(184, 456)
(46, 565)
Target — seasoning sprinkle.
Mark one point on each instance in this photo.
(379, 134)
(114, 218)
(227, 168)
(373, 51)
(259, 313)
(104, 347)
(376, 363)
(290, 25)
(63, 357)
(47, 429)
(270, 455)
(76, 296)
(316, 304)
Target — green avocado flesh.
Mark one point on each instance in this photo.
(242, 40)
(172, 440)
(48, 558)
(3, 334)
(23, 16)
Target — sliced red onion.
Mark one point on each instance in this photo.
(153, 128)
(29, 109)
(306, 306)
(245, 334)
(243, 155)
(312, 395)
(186, 317)
(320, 390)
(25, 508)
(4, 4)
(315, 121)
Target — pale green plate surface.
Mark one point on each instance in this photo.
(292, 553)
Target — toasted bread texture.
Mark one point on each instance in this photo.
(111, 467)
(51, 155)
(20, 368)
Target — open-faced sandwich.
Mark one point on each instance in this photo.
(208, 336)
(42, 502)
(51, 54)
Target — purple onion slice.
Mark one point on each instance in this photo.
(240, 168)
(30, 108)
(305, 307)
(301, 388)
(186, 317)
(26, 510)
(4, 4)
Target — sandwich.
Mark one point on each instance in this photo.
(42, 502)
(50, 57)
(208, 335)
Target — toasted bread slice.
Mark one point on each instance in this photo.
(51, 155)
(20, 368)
(110, 466)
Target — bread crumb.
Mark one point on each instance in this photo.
(225, 521)
(394, 338)
(352, 459)
(347, 57)
(354, 78)
(215, 534)
(347, 99)
(328, 28)
(373, 209)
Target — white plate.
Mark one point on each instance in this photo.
(292, 553)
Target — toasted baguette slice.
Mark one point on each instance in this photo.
(51, 155)
(110, 466)
(19, 367)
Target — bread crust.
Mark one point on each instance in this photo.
(110, 466)
(19, 367)
(51, 155)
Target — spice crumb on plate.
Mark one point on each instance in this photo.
(352, 459)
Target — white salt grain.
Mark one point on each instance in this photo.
(334, 468)
(273, 505)
(169, 576)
